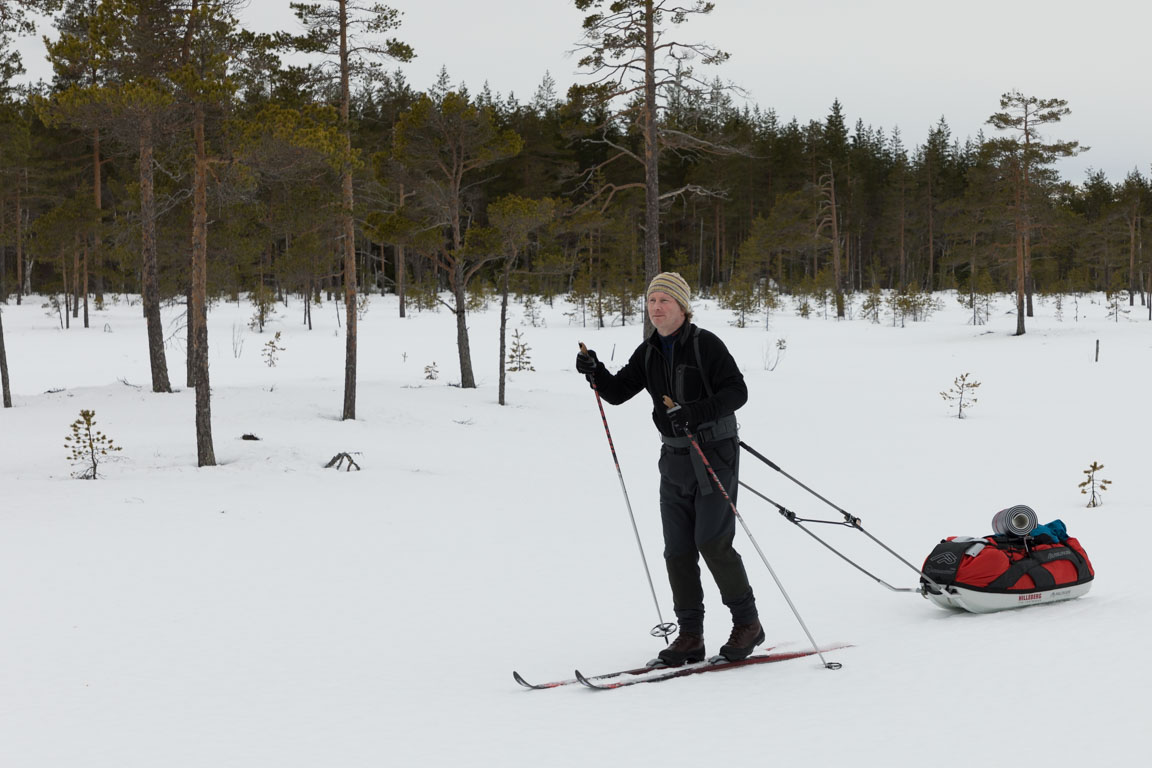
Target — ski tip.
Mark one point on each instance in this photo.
(522, 681)
(586, 682)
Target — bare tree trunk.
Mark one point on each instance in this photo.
(4, 385)
(1020, 300)
(467, 379)
(503, 327)
(931, 282)
(64, 289)
(3, 253)
(98, 203)
(84, 283)
(716, 274)
(651, 161)
(198, 308)
(1132, 280)
(150, 269)
(400, 282)
(19, 248)
(1021, 224)
(903, 277)
(1028, 286)
(834, 223)
(347, 225)
(76, 276)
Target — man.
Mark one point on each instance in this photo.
(694, 368)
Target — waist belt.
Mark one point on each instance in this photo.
(724, 428)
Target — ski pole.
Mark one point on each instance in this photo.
(672, 406)
(664, 628)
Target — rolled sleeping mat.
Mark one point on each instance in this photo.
(1019, 520)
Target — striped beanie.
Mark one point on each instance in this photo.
(672, 284)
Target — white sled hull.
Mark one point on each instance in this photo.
(989, 602)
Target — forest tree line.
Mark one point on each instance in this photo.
(176, 155)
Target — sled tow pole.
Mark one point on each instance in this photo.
(850, 521)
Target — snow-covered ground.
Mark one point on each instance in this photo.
(270, 612)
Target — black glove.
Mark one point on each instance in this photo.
(683, 421)
(587, 363)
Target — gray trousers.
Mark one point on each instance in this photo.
(698, 521)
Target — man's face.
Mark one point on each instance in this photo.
(666, 314)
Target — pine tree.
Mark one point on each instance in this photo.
(88, 446)
(445, 143)
(1027, 162)
(627, 54)
(515, 220)
(333, 30)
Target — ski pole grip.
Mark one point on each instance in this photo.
(583, 349)
(670, 404)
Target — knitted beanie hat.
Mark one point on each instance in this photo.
(672, 284)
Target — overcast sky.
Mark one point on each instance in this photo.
(890, 63)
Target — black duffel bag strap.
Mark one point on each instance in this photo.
(1033, 565)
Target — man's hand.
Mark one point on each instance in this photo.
(586, 361)
(682, 420)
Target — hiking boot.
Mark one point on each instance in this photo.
(744, 639)
(686, 648)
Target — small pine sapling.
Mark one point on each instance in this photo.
(1093, 487)
(430, 372)
(1117, 297)
(532, 314)
(873, 305)
(962, 393)
(87, 446)
(518, 357)
(271, 349)
(363, 304)
(264, 308)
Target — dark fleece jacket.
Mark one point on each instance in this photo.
(681, 378)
